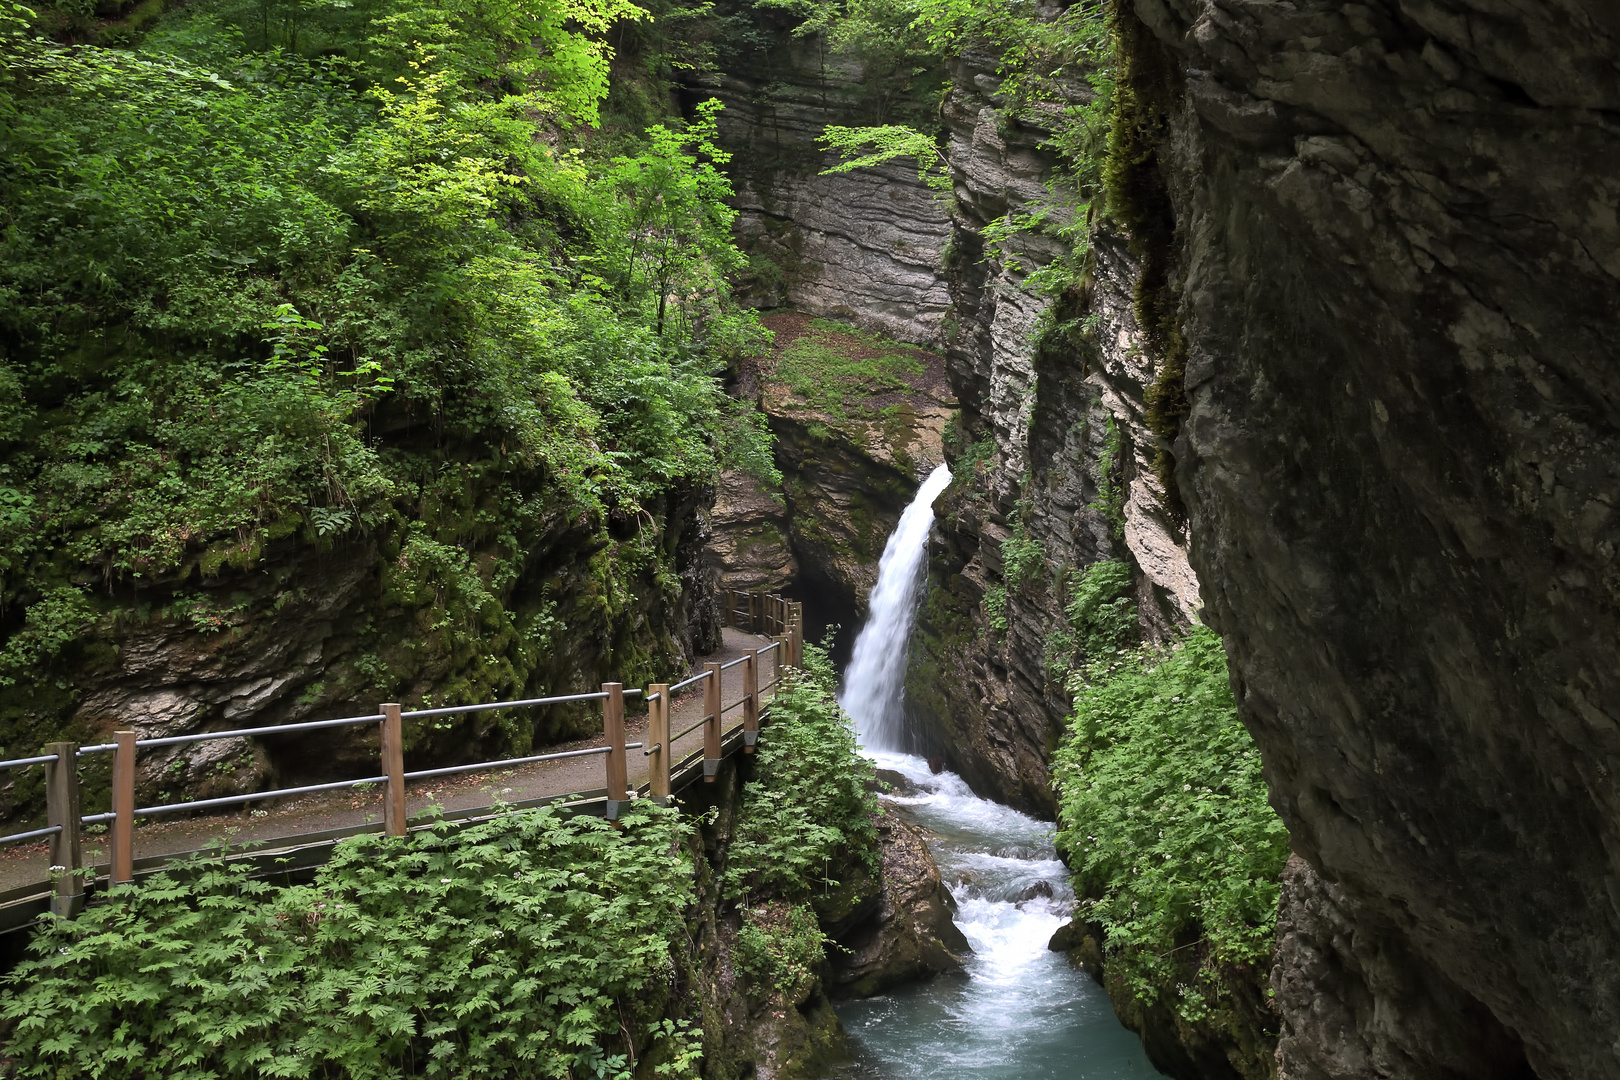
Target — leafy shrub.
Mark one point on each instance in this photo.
(781, 944)
(808, 811)
(995, 607)
(809, 807)
(508, 948)
(1022, 555)
(1164, 819)
(1101, 615)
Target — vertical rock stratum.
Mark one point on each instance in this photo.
(1396, 250)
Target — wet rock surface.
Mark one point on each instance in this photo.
(910, 935)
(1397, 256)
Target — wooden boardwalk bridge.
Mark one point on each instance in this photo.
(722, 727)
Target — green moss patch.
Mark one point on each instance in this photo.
(850, 374)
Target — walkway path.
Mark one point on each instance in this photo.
(23, 864)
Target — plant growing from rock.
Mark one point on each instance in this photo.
(1164, 819)
(808, 813)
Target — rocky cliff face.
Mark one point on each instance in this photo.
(1396, 252)
(858, 420)
(1063, 457)
(864, 246)
(1056, 441)
(310, 637)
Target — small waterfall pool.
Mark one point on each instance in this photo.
(1018, 1011)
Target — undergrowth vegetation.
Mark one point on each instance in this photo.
(836, 368)
(1162, 807)
(281, 281)
(533, 945)
(808, 813)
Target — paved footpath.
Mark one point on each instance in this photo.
(23, 864)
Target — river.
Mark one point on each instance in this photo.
(1019, 1010)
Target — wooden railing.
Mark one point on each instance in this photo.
(65, 823)
(760, 613)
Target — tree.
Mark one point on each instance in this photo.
(665, 231)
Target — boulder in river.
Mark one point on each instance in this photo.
(911, 936)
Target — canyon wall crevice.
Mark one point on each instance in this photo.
(1397, 252)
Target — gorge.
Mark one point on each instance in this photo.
(1393, 485)
(1289, 323)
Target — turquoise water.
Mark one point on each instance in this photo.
(1019, 1011)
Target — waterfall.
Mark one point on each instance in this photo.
(1022, 1012)
(874, 680)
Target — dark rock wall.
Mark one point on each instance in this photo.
(312, 636)
(1397, 246)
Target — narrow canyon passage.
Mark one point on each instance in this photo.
(1018, 1009)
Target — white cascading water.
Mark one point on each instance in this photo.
(1022, 1013)
(874, 681)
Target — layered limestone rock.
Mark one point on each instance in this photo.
(310, 637)
(1062, 456)
(749, 550)
(864, 246)
(1396, 252)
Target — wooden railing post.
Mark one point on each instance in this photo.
(123, 807)
(659, 750)
(618, 771)
(393, 767)
(711, 721)
(750, 674)
(753, 613)
(62, 809)
(796, 623)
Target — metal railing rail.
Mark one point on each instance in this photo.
(65, 823)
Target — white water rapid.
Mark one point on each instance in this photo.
(1021, 1012)
(875, 679)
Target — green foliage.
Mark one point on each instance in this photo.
(887, 143)
(1110, 491)
(1100, 611)
(781, 945)
(58, 618)
(808, 808)
(1023, 556)
(666, 230)
(516, 947)
(287, 276)
(1164, 820)
(995, 607)
(834, 368)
